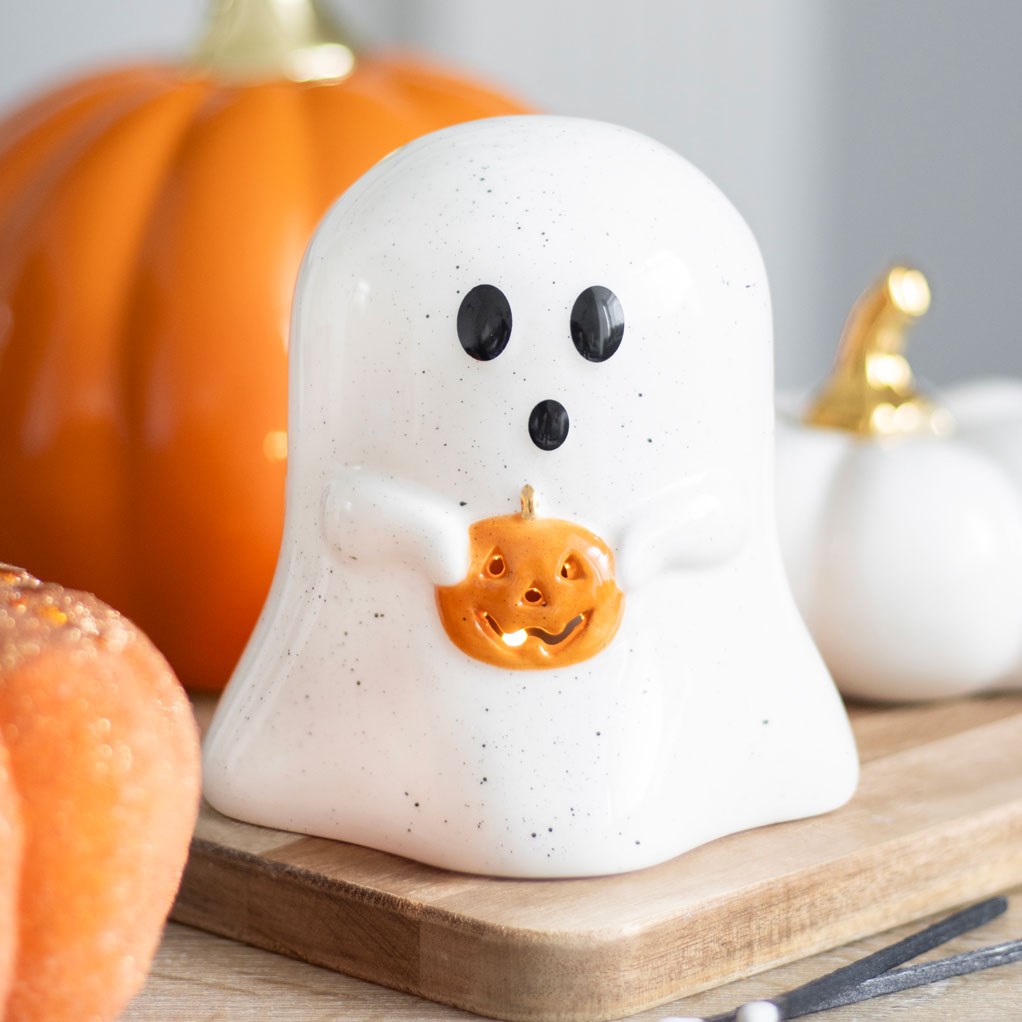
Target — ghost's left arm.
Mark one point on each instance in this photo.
(695, 523)
(371, 519)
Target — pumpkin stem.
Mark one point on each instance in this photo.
(253, 39)
(871, 390)
(528, 501)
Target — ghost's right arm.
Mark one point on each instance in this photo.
(697, 522)
(373, 519)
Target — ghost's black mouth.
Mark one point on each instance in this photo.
(514, 639)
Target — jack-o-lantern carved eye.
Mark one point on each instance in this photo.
(571, 568)
(496, 566)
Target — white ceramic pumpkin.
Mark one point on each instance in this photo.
(901, 519)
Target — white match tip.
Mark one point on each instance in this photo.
(758, 1011)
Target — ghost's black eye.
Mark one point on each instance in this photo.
(484, 322)
(597, 323)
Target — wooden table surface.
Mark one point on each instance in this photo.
(201, 978)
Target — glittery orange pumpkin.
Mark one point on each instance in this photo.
(540, 592)
(11, 840)
(152, 220)
(100, 760)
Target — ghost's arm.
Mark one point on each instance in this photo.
(370, 519)
(695, 523)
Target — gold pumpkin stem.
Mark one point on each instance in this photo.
(528, 501)
(248, 40)
(871, 390)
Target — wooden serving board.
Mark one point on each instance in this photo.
(937, 822)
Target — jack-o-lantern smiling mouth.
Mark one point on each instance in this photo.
(539, 593)
(514, 639)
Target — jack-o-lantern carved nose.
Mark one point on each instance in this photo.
(533, 597)
(548, 425)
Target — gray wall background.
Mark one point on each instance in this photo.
(850, 133)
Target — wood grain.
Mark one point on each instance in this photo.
(198, 977)
(937, 821)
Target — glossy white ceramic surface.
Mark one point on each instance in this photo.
(352, 715)
(905, 554)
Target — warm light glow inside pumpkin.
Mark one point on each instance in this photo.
(540, 592)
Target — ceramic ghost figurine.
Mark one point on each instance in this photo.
(529, 617)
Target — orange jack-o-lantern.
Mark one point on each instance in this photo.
(540, 592)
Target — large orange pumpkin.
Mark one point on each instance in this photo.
(152, 220)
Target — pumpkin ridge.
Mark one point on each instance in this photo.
(72, 451)
(42, 158)
(69, 101)
(128, 342)
(209, 374)
(32, 138)
(127, 345)
(368, 98)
